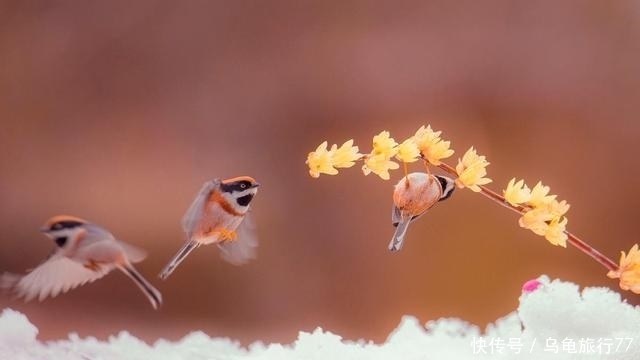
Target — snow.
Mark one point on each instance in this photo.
(554, 321)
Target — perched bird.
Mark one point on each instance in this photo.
(217, 216)
(413, 195)
(85, 252)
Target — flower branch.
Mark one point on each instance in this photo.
(571, 238)
(539, 211)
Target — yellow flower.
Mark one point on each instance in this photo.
(408, 151)
(423, 136)
(536, 220)
(437, 152)
(556, 208)
(345, 156)
(544, 223)
(379, 160)
(385, 145)
(324, 161)
(320, 162)
(517, 192)
(629, 271)
(555, 232)
(472, 171)
(431, 146)
(539, 195)
(379, 165)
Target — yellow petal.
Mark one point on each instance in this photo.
(437, 151)
(320, 162)
(431, 146)
(556, 232)
(346, 155)
(539, 195)
(536, 221)
(379, 165)
(384, 144)
(629, 270)
(408, 151)
(426, 134)
(471, 171)
(557, 208)
(322, 148)
(517, 192)
(471, 157)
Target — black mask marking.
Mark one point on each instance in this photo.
(244, 200)
(444, 183)
(60, 241)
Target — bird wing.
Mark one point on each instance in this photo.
(192, 217)
(98, 240)
(243, 249)
(57, 274)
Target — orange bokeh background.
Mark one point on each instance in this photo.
(119, 111)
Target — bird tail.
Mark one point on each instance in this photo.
(154, 296)
(187, 248)
(398, 237)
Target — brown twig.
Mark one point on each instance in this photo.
(572, 239)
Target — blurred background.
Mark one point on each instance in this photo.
(118, 111)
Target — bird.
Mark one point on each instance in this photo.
(413, 195)
(219, 215)
(84, 252)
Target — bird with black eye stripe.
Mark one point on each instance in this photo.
(85, 252)
(413, 195)
(218, 216)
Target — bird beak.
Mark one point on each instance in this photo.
(44, 230)
(256, 185)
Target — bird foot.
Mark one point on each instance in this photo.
(92, 265)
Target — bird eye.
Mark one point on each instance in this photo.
(243, 186)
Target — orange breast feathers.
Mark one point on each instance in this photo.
(218, 216)
(216, 197)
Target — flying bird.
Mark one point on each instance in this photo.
(218, 216)
(84, 253)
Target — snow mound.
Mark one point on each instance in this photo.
(554, 321)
